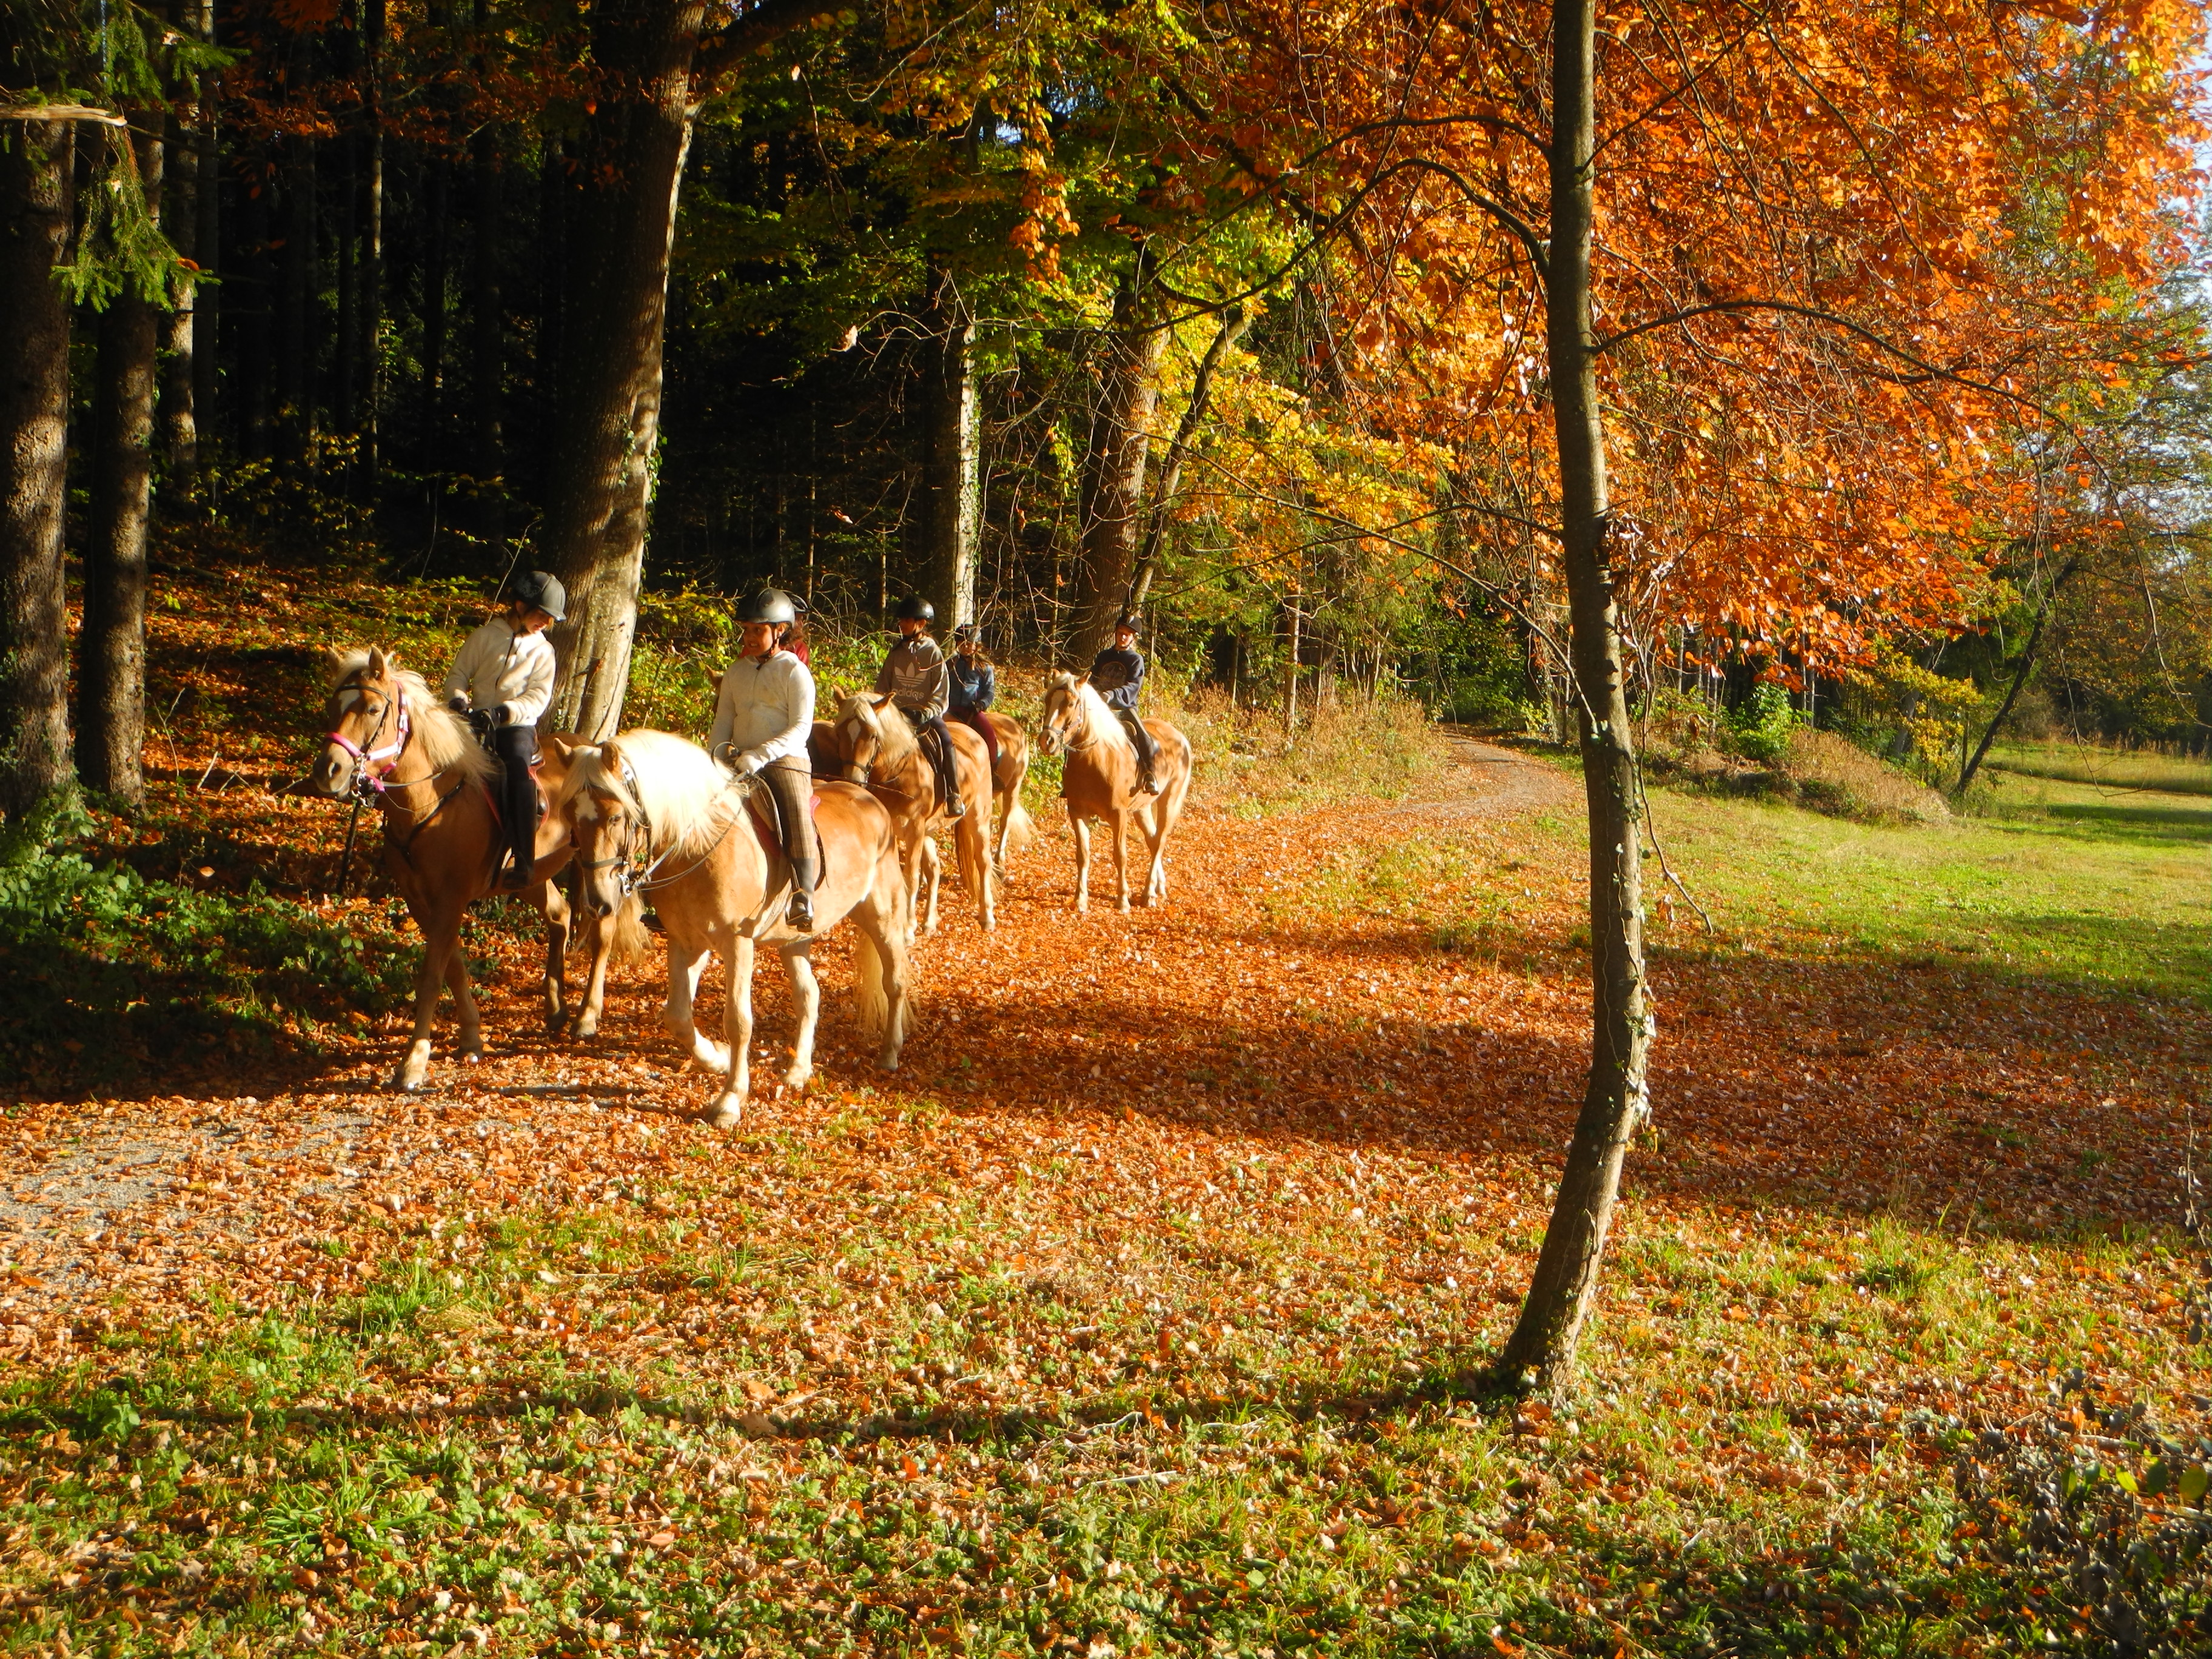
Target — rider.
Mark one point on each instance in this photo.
(1117, 674)
(501, 682)
(762, 721)
(974, 686)
(914, 675)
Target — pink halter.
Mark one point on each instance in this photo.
(365, 759)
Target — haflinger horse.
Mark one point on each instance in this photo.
(650, 811)
(392, 741)
(876, 746)
(1014, 829)
(1100, 781)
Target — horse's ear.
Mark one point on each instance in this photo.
(334, 661)
(884, 702)
(560, 745)
(379, 666)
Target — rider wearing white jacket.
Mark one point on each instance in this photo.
(502, 682)
(763, 719)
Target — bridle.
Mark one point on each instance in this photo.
(367, 779)
(1059, 741)
(632, 879)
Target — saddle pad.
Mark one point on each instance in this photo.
(762, 810)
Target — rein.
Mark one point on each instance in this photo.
(636, 880)
(367, 782)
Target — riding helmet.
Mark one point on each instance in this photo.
(767, 605)
(542, 593)
(1130, 620)
(915, 608)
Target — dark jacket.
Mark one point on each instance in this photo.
(1116, 675)
(974, 686)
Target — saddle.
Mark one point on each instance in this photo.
(760, 807)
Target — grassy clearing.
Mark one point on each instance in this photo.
(2106, 769)
(2050, 879)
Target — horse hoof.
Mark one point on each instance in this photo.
(795, 1082)
(405, 1084)
(472, 1056)
(586, 1027)
(724, 1116)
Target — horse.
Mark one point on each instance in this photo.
(394, 742)
(651, 812)
(1014, 829)
(876, 746)
(1099, 780)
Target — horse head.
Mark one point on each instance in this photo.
(606, 826)
(859, 734)
(369, 723)
(1064, 720)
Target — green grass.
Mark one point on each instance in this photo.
(2048, 878)
(2106, 768)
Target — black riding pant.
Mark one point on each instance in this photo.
(517, 749)
(1135, 726)
(790, 783)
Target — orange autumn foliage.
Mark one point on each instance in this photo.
(1844, 258)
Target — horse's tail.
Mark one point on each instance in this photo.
(871, 1003)
(630, 939)
(1020, 831)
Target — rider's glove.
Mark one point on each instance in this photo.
(502, 714)
(459, 703)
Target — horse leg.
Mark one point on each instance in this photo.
(930, 868)
(559, 926)
(1082, 860)
(1120, 823)
(604, 929)
(685, 963)
(806, 996)
(974, 841)
(738, 1026)
(440, 940)
(464, 1004)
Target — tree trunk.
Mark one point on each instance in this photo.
(207, 237)
(951, 483)
(371, 248)
(2018, 679)
(1233, 322)
(36, 164)
(346, 239)
(488, 327)
(1542, 1349)
(111, 704)
(1112, 487)
(608, 422)
(252, 306)
(180, 441)
(437, 172)
(1290, 670)
(297, 267)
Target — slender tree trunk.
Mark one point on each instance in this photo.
(1290, 670)
(1112, 486)
(257, 292)
(111, 704)
(1542, 1350)
(36, 164)
(346, 238)
(1233, 322)
(608, 422)
(296, 266)
(951, 482)
(437, 173)
(180, 426)
(488, 327)
(207, 237)
(2018, 679)
(371, 248)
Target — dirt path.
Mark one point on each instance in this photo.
(1486, 781)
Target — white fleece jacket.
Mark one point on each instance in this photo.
(500, 668)
(765, 712)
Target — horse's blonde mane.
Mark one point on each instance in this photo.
(671, 783)
(897, 735)
(444, 737)
(1102, 723)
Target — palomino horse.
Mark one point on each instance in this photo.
(392, 741)
(1014, 829)
(1100, 779)
(876, 747)
(649, 810)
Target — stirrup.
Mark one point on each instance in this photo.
(516, 877)
(800, 913)
(956, 808)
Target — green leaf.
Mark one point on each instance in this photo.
(2194, 1480)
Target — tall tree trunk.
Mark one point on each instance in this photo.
(1542, 1349)
(1233, 322)
(951, 482)
(488, 324)
(36, 164)
(253, 307)
(344, 238)
(1112, 487)
(371, 247)
(207, 238)
(180, 426)
(607, 424)
(296, 268)
(111, 704)
(437, 172)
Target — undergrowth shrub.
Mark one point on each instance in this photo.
(1759, 727)
(106, 969)
(1766, 748)
(1352, 748)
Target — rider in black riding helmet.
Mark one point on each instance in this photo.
(762, 721)
(914, 677)
(1117, 673)
(501, 682)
